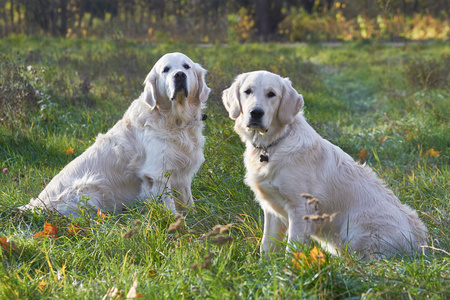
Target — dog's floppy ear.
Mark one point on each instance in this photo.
(149, 93)
(230, 97)
(203, 89)
(291, 103)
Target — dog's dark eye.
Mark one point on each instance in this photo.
(186, 66)
(166, 69)
(271, 94)
(248, 91)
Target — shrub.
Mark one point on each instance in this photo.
(17, 93)
(429, 73)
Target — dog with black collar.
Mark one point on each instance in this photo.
(285, 158)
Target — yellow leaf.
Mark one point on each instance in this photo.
(315, 255)
(42, 285)
(302, 261)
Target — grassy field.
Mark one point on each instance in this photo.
(393, 101)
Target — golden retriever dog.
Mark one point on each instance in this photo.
(286, 158)
(158, 144)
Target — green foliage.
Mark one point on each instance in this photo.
(359, 96)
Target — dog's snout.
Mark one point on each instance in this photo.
(180, 75)
(180, 81)
(257, 113)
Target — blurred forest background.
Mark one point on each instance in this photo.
(214, 21)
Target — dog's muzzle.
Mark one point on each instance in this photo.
(256, 116)
(180, 81)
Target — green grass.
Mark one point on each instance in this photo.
(357, 96)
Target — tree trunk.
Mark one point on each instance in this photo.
(63, 16)
(267, 17)
(308, 5)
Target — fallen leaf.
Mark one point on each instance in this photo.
(207, 260)
(101, 215)
(221, 239)
(300, 260)
(113, 293)
(383, 139)
(130, 233)
(363, 155)
(73, 229)
(315, 255)
(133, 293)
(7, 245)
(303, 261)
(432, 152)
(174, 226)
(41, 286)
(69, 151)
(219, 229)
(408, 134)
(49, 231)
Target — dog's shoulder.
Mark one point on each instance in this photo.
(138, 113)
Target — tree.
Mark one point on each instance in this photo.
(267, 17)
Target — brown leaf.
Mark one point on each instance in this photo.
(320, 217)
(101, 215)
(221, 239)
(130, 233)
(74, 229)
(207, 260)
(215, 230)
(432, 152)
(7, 245)
(383, 139)
(307, 196)
(174, 226)
(363, 155)
(219, 229)
(49, 231)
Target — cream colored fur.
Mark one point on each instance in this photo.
(368, 218)
(154, 150)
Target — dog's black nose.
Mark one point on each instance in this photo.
(180, 75)
(257, 113)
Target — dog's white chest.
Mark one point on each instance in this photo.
(267, 192)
